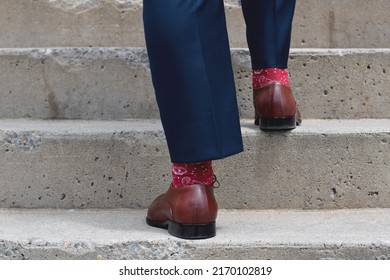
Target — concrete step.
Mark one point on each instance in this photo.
(114, 83)
(324, 164)
(103, 23)
(123, 234)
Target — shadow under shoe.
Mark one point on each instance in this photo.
(275, 108)
(188, 212)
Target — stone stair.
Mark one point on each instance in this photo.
(118, 23)
(79, 126)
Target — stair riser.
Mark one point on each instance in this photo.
(120, 167)
(119, 23)
(174, 250)
(115, 83)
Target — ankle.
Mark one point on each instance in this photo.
(186, 174)
(267, 76)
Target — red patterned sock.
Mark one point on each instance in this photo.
(266, 76)
(186, 174)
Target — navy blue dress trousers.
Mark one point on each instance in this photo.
(192, 74)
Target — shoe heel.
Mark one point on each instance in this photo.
(277, 123)
(184, 231)
(257, 120)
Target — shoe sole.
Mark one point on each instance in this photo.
(186, 231)
(277, 123)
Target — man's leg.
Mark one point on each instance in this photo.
(268, 31)
(269, 24)
(192, 75)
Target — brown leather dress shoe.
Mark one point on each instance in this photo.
(188, 212)
(275, 108)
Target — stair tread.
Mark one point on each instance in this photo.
(81, 231)
(309, 126)
(102, 226)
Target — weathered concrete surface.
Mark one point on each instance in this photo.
(123, 234)
(115, 83)
(108, 23)
(75, 83)
(68, 23)
(325, 164)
